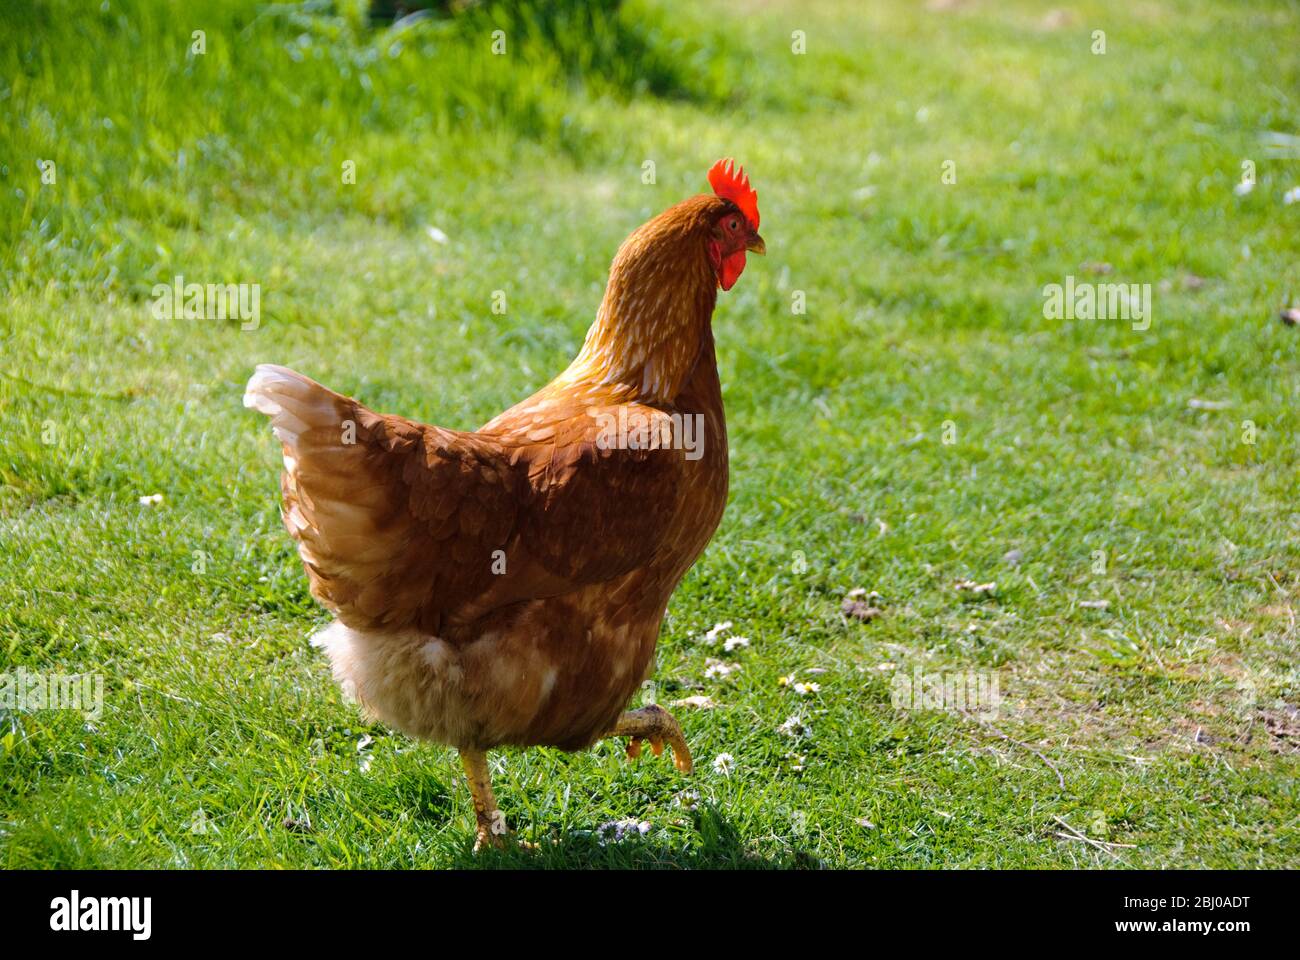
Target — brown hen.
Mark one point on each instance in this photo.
(506, 586)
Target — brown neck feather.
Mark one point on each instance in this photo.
(658, 304)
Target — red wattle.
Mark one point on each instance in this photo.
(732, 265)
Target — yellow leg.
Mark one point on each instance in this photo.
(657, 725)
(492, 828)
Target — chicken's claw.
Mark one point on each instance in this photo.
(487, 837)
(657, 725)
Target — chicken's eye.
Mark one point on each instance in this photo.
(733, 224)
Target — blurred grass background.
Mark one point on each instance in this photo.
(1171, 713)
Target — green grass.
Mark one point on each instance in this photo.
(1170, 715)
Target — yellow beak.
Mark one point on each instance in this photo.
(756, 244)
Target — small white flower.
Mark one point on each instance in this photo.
(696, 702)
(723, 763)
(1291, 196)
(718, 630)
(616, 831)
(687, 799)
(1244, 187)
(715, 669)
(735, 643)
(437, 236)
(794, 726)
(806, 688)
(151, 499)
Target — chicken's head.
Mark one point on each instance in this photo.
(735, 230)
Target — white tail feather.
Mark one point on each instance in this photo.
(293, 402)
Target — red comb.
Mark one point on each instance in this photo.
(729, 181)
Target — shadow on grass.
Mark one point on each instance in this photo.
(426, 798)
(717, 846)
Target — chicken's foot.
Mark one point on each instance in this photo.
(492, 829)
(657, 725)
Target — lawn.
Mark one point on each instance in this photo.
(906, 418)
